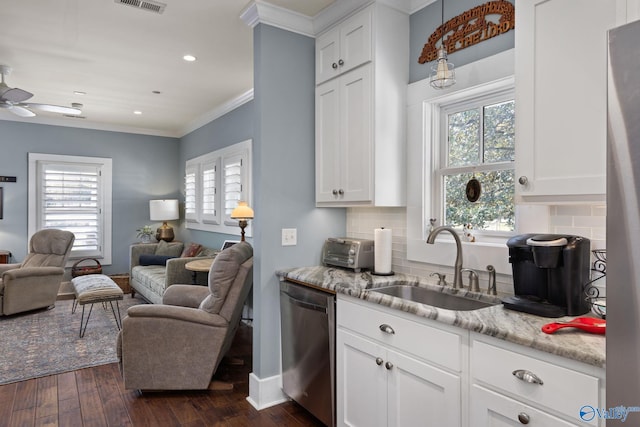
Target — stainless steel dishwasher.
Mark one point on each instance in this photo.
(308, 348)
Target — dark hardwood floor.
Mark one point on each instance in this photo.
(96, 397)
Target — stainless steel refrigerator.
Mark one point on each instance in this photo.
(623, 221)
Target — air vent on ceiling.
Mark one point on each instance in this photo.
(151, 6)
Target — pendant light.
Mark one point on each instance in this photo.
(442, 72)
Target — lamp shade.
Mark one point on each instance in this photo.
(242, 211)
(163, 210)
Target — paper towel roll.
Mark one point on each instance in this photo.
(382, 247)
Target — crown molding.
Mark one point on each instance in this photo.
(217, 113)
(259, 12)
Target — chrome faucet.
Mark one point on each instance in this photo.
(457, 274)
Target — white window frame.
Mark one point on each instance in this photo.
(35, 215)
(219, 222)
(439, 148)
(488, 74)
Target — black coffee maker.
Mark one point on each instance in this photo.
(550, 272)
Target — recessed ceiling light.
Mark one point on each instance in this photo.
(79, 92)
(189, 58)
(137, 112)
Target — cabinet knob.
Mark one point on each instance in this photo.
(334, 192)
(527, 376)
(387, 329)
(379, 361)
(334, 65)
(341, 62)
(388, 365)
(341, 191)
(523, 180)
(523, 417)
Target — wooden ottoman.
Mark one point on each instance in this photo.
(94, 288)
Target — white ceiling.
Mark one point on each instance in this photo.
(119, 55)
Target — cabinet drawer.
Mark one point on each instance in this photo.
(562, 389)
(490, 409)
(428, 343)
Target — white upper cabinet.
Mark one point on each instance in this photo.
(362, 71)
(344, 47)
(561, 78)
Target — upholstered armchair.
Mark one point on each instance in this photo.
(35, 282)
(178, 345)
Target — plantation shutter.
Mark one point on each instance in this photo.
(233, 182)
(209, 193)
(71, 200)
(190, 191)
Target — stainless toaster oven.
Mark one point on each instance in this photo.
(356, 254)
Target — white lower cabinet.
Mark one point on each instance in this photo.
(511, 388)
(381, 382)
(397, 369)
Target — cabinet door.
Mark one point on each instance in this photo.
(327, 55)
(490, 409)
(561, 70)
(361, 389)
(328, 142)
(421, 394)
(344, 47)
(355, 41)
(356, 144)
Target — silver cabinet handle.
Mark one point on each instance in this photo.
(387, 329)
(341, 62)
(334, 192)
(526, 376)
(388, 365)
(523, 180)
(334, 65)
(341, 191)
(523, 417)
(379, 361)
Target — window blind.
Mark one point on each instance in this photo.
(209, 192)
(70, 200)
(232, 183)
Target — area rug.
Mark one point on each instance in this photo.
(47, 342)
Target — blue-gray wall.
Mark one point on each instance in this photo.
(144, 167)
(284, 179)
(235, 126)
(425, 21)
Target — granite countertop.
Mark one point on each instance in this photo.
(495, 321)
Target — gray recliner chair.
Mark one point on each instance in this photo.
(34, 283)
(178, 345)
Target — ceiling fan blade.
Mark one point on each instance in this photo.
(16, 95)
(20, 111)
(52, 108)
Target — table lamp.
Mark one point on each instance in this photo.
(242, 213)
(164, 210)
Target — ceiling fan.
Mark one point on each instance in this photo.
(12, 99)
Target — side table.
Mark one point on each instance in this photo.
(5, 256)
(198, 266)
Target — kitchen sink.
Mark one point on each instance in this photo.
(435, 298)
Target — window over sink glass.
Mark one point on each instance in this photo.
(476, 142)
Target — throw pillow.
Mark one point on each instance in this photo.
(191, 250)
(169, 249)
(155, 259)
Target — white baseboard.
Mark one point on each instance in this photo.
(267, 392)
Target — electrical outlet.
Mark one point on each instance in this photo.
(289, 237)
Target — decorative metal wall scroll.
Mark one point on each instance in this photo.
(470, 27)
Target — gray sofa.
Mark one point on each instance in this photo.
(151, 281)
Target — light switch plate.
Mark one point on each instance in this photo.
(289, 236)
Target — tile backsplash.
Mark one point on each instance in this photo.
(583, 220)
